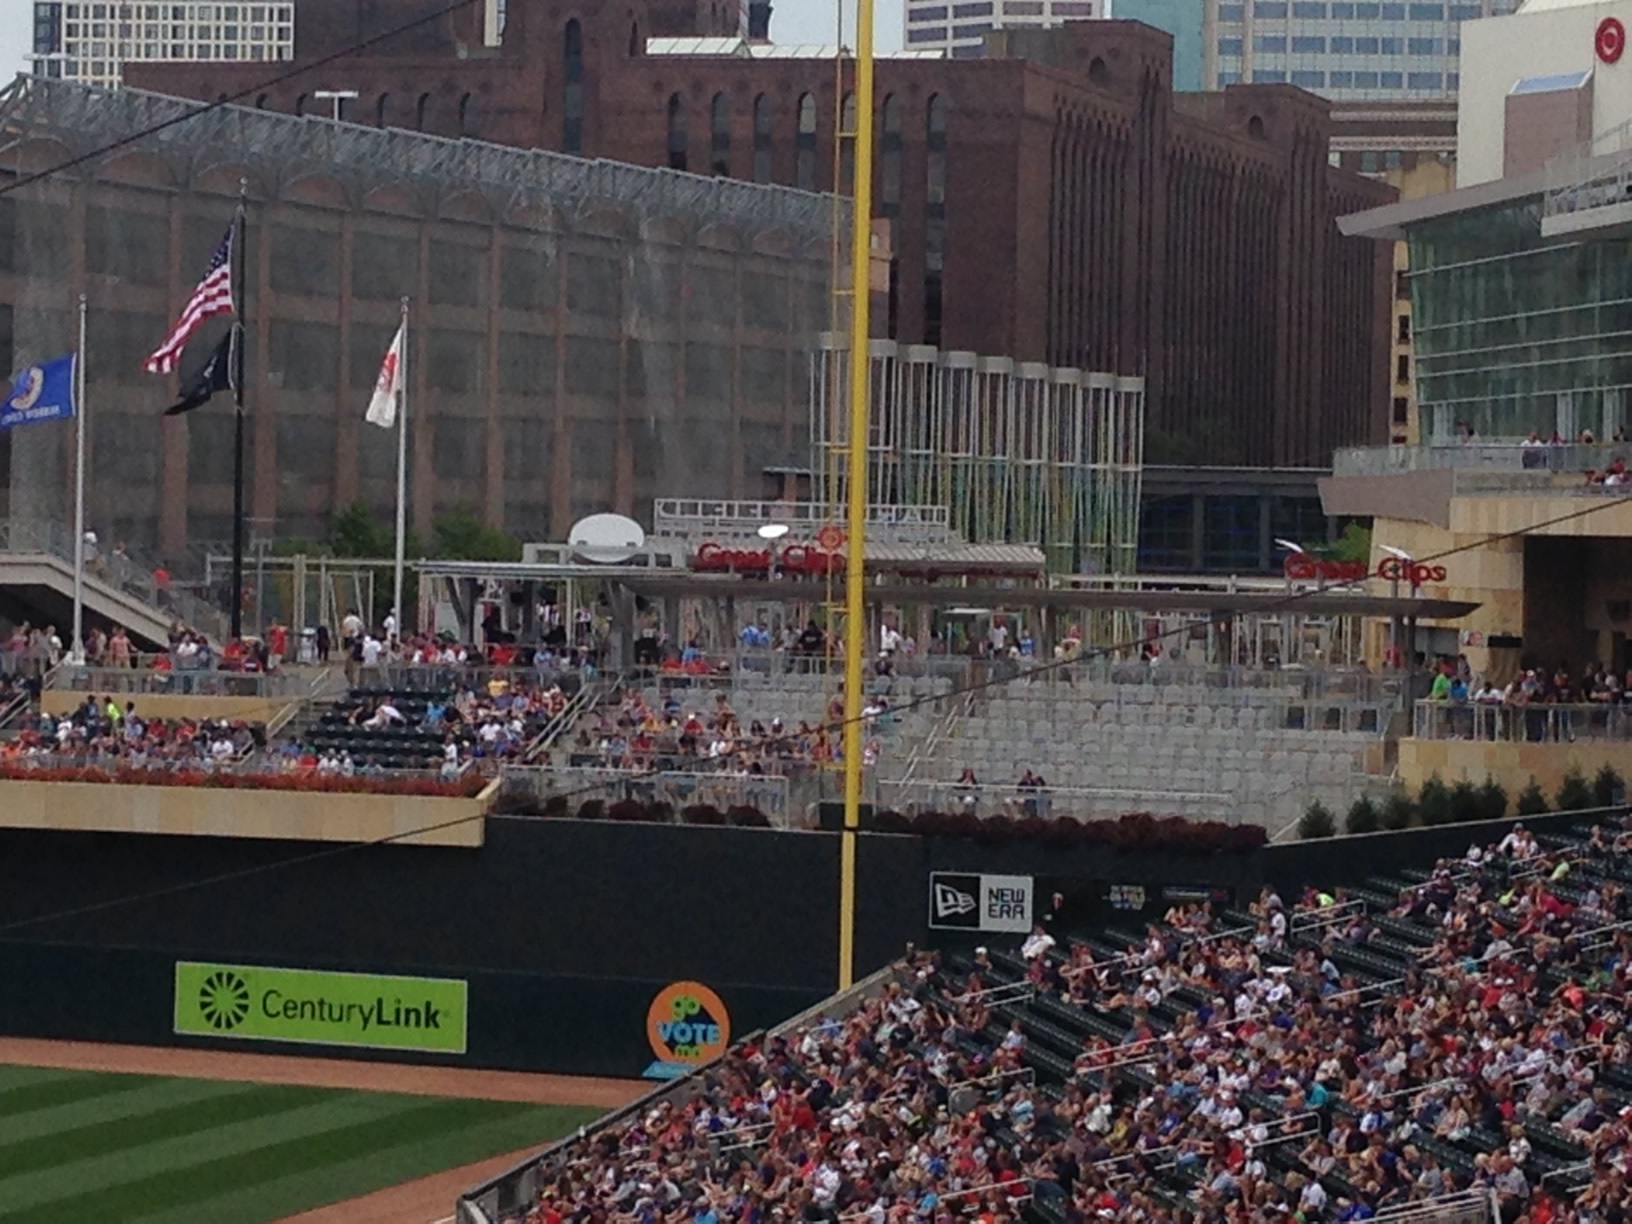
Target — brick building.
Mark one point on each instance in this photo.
(1055, 201)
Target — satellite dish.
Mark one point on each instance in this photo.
(605, 539)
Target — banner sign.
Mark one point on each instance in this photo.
(979, 902)
(40, 393)
(687, 1025)
(318, 1007)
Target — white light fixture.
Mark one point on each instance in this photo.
(1396, 552)
(1290, 546)
(773, 531)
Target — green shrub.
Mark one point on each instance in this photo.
(1492, 800)
(1531, 801)
(1363, 816)
(1434, 802)
(1465, 803)
(1574, 795)
(1316, 821)
(1608, 789)
(1398, 813)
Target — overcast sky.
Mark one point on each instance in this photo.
(17, 32)
(811, 21)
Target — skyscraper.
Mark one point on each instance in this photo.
(92, 40)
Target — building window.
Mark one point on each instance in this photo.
(422, 111)
(1270, 44)
(762, 139)
(382, 110)
(1271, 76)
(1402, 409)
(1308, 10)
(961, 12)
(1433, 81)
(1423, 46)
(890, 160)
(937, 13)
(1391, 80)
(719, 136)
(1230, 46)
(1402, 369)
(1404, 331)
(1340, 80)
(572, 101)
(677, 133)
(847, 145)
(467, 115)
(1231, 14)
(1309, 80)
(1274, 10)
(805, 145)
(935, 217)
(1308, 45)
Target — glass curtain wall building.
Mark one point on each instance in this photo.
(1346, 50)
(92, 40)
(1514, 335)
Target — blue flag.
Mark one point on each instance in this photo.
(40, 393)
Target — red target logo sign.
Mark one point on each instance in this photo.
(1610, 40)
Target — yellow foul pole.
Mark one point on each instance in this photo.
(855, 629)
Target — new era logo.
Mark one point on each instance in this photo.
(950, 901)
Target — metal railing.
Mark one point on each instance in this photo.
(1511, 456)
(1476, 1206)
(689, 517)
(193, 682)
(678, 789)
(123, 572)
(921, 795)
(1534, 724)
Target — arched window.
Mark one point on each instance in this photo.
(889, 178)
(846, 136)
(677, 133)
(934, 216)
(382, 110)
(300, 105)
(762, 139)
(572, 102)
(805, 145)
(260, 102)
(719, 136)
(635, 47)
(467, 115)
(422, 112)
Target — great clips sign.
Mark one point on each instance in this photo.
(792, 559)
(1301, 567)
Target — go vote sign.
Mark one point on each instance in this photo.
(686, 1026)
(317, 1007)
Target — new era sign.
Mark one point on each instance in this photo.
(979, 902)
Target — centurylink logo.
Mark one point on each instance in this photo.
(223, 1000)
(950, 901)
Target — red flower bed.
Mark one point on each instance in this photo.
(305, 783)
(1135, 831)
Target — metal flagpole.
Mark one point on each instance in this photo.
(855, 627)
(236, 362)
(402, 475)
(78, 647)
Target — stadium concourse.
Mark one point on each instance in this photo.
(1446, 1043)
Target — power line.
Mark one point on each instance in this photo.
(205, 108)
(766, 742)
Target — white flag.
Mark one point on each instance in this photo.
(382, 409)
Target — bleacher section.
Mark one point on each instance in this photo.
(1440, 1044)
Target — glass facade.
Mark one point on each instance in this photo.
(92, 40)
(960, 27)
(1344, 49)
(1513, 335)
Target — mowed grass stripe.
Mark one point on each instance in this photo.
(208, 1112)
(190, 1184)
(324, 1110)
(12, 1076)
(66, 1088)
(147, 1099)
(431, 1153)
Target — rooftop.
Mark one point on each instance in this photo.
(742, 48)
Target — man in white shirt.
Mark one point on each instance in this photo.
(1037, 944)
(372, 648)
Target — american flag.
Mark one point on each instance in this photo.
(212, 297)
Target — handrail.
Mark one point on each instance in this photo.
(1023, 992)
(1027, 1074)
(1327, 915)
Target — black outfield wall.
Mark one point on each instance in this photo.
(564, 930)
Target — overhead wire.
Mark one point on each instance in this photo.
(974, 686)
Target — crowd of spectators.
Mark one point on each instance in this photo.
(1327, 1060)
(103, 733)
(1519, 709)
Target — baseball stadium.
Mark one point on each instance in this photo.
(526, 696)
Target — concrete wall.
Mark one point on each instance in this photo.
(1513, 765)
(1497, 52)
(96, 807)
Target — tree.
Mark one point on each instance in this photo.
(1531, 801)
(1607, 787)
(1492, 800)
(1316, 821)
(354, 532)
(1574, 795)
(1398, 813)
(1353, 545)
(1434, 802)
(1362, 816)
(1465, 807)
(461, 535)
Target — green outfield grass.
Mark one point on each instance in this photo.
(85, 1146)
